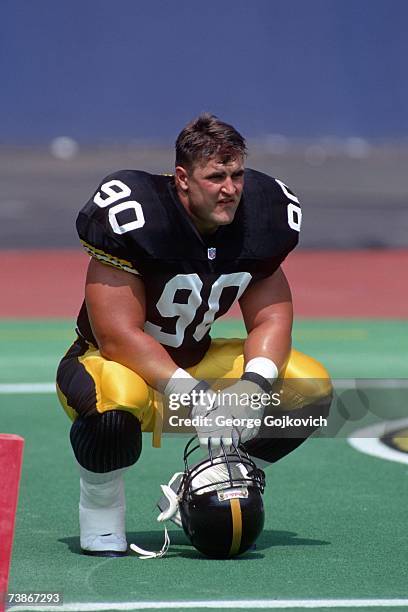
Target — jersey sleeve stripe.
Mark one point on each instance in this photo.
(111, 260)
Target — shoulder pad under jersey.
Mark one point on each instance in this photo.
(124, 222)
(272, 214)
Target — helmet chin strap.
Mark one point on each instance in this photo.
(151, 554)
(166, 515)
(172, 497)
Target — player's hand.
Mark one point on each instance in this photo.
(243, 402)
(210, 421)
(184, 390)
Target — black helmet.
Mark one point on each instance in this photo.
(221, 505)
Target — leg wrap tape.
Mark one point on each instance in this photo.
(102, 508)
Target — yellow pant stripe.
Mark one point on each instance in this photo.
(64, 403)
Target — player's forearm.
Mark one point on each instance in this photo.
(141, 353)
(270, 339)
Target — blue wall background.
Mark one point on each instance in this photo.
(105, 71)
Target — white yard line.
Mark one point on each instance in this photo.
(367, 440)
(250, 604)
(22, 388)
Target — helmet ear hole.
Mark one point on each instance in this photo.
(221, 504)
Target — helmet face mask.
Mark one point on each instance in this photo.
(220, 501)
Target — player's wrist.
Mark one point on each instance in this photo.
(182, 383)
(261, 371)
(179, 382)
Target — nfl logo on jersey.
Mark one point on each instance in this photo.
(212, 253)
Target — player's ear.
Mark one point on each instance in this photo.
(181, 176)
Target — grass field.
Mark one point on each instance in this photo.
(336, 519)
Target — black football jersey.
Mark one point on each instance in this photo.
(136, 223)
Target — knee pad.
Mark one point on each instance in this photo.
(106, 442)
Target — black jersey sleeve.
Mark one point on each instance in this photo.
(111, 224)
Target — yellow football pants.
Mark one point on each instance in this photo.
(109, 385)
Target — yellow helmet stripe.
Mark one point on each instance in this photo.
(236, 526)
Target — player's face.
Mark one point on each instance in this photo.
(212, 191)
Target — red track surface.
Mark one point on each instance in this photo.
(324, 283)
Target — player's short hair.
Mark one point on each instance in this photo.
(206, 137)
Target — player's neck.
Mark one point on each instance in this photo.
(203, 227)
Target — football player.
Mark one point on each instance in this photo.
(169, 255)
